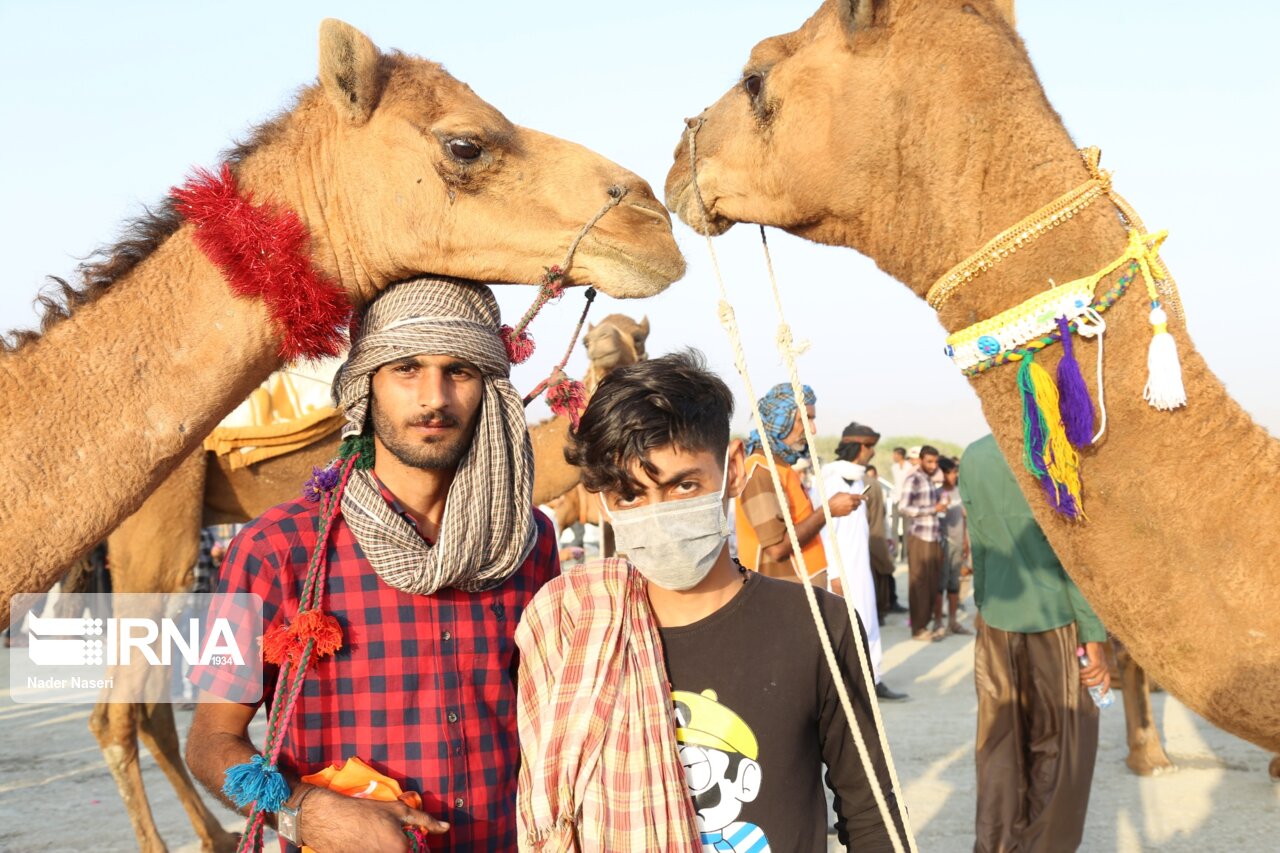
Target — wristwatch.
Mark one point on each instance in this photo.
(287, 823)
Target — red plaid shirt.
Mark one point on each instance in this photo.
(424, 686)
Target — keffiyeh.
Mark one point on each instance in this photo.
(488, 527)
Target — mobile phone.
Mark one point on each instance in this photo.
(865, 486)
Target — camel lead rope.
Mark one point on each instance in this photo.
(565, 396)
(789, 351)
(730, 324)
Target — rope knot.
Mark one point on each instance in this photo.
(787, 342)
(725, 312)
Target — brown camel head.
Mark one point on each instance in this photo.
(830, 123)
(399, 169)
(616, 342)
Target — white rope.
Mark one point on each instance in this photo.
(729, 321)
(788, 353)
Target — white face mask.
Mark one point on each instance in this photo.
(673, 544)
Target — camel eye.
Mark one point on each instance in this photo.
(753, 83)
(464, 149)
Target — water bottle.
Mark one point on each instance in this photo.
(1101, 696)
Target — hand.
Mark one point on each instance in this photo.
(1097, 673)
(942, 506)
(843, 504)
(330, 822)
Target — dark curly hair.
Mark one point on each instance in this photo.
(669, 401)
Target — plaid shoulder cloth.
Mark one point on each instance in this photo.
(599, 767)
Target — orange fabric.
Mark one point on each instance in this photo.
(354, 778)
(750, 554)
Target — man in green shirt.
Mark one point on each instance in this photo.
(1037, 725)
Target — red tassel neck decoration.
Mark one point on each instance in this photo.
(264, 254)
(286, 642)
(566, 396)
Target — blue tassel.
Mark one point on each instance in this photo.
(256, 781)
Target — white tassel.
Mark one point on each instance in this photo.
(1089, 326)
(1164, 389)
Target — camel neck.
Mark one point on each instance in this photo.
(1138, 542)
(120, 394)
(978, 183)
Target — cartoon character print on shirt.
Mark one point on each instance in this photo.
(719, 753)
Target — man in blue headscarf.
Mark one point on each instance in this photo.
(763, 543)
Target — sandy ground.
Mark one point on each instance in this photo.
(56, 793)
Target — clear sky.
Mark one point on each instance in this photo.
(107, 105)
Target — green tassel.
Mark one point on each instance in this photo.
(361, 444)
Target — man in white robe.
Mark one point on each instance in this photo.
(851, 533)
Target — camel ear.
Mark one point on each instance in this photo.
(1005, 7)
(644, 328)
(856, 15)
(349, 70)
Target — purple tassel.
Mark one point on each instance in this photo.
(322, 480)
(1073, 396)
(1059, 498)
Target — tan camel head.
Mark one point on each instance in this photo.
(616, 342)
(413, 173)
(824, 107)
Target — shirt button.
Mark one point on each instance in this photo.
(447, 635)
(457, 750)
(453, 718)
(458, 803)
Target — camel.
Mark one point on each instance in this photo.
(933, 135)
(394, 168)
(616, 341)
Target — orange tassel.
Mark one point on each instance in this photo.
(321, 627)
(286, 642)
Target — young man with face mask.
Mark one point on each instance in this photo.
(608, 648)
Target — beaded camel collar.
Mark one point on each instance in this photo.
(1058, 418)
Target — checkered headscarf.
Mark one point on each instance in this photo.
(488, 526)
(778, 411)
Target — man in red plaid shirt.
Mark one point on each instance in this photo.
(431, 561)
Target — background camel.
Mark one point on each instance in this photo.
(935, 135)
(395, 168)
(616, 341)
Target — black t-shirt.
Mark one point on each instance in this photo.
(757, 716)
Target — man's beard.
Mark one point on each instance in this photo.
(440, 454)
